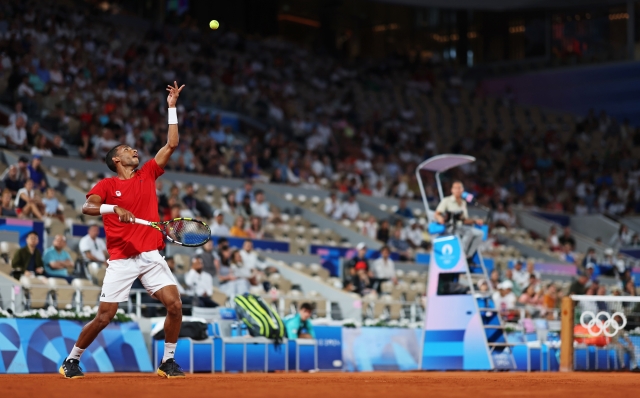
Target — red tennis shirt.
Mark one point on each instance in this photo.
(138, 195)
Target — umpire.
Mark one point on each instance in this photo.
(453, 210)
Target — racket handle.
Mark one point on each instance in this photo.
(142, 222)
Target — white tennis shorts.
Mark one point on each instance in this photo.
(150, 266)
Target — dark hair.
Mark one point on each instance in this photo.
(108, 159)
(33, 233)
(222, 240)
(385, 247)
(306, 306)
(259, 191)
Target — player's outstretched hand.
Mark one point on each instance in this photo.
(125, 215)
(174, 93)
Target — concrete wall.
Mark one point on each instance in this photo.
(595, 226)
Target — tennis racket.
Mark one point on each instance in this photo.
(181, 231)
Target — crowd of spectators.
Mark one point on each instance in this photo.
(98, 84)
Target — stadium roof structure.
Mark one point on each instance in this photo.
(497, 5)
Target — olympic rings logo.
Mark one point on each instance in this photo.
(596, 326)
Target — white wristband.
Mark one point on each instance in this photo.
(173, 116)
(107, 209)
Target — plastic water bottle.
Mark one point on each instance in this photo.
(234, 329)
(243, 329)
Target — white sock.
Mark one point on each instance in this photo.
(76, 353)
(169, 351)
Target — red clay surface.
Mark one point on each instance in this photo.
(327, 385)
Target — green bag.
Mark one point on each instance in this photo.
(260, 318)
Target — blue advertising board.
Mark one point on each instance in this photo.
(40, 346)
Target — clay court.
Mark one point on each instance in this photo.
(414, 384)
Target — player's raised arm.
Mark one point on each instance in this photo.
(164, 154)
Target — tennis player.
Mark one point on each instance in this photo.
(133, 248)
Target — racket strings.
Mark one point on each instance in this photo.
(188, 231)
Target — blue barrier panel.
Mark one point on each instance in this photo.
(331, 256)
(80, 230)
(329, 347)
(23, 227)
(276, 246)
(40, 346)
(373, 348)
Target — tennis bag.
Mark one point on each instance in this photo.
(260, 318)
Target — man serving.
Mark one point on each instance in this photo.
(133, 248)
(456, 207)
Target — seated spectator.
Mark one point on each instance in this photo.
(503, 217)
(27, 260)
(358, 269)
(230, 284)
(251, 275)
(23, 169)
(218, 227)
(16, 135)
(350, 209)
(199, 284)
(255, 230)
(246, 191)
(384, 232)
(209, 259)
(413, 234)
(244, 208)
(529, 297)
(229, 204)
(567, 237)
(531, 269)
(494, 279)
(508, 276)
(553, 240)
(590, 258)
(93, 248)
(58, 149)
(333, 207)
(197, 206)
(370, 228)
(259, 207)
(550, 298)
(7, 209)
(504, 299)
(298, 325)
(18, 113)
(57, 261)
(41, 147)
(52, 205)
(104, 143)
(37, 173)
(635, 241)
(384, 268)
(483, 288)
(251, 260)
(621, 238)
(566, 254)
(403, 210)
(400, 246)
(28, 201)
(11, 180)
(237, 230)
(578, 286)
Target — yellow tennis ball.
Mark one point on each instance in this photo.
(214, 24)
